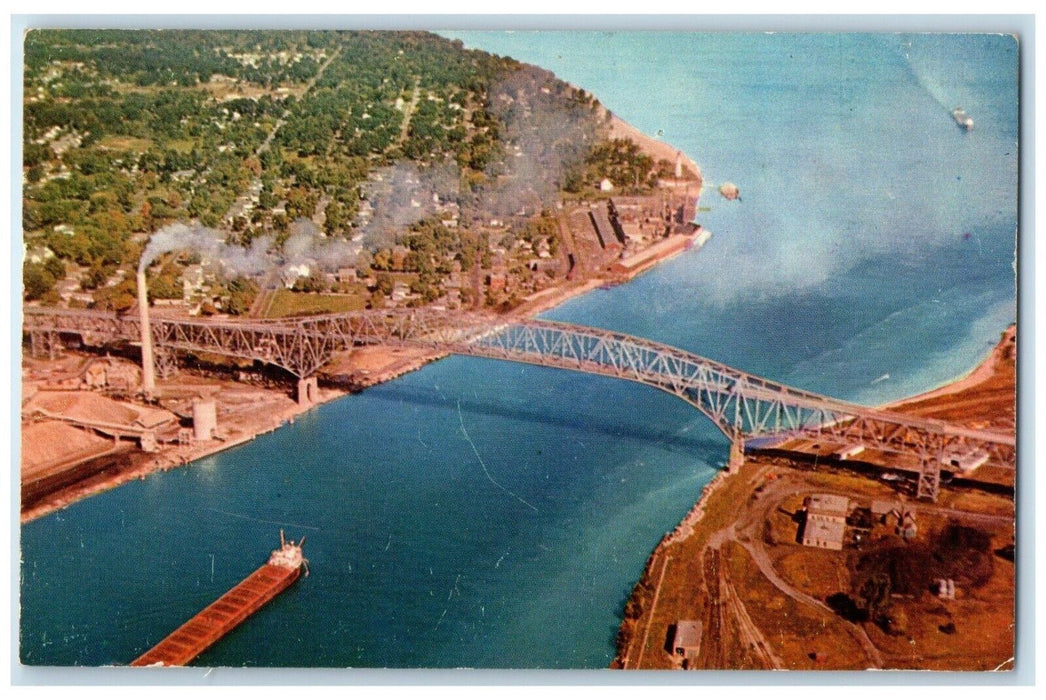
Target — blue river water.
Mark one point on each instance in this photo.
(484, 514)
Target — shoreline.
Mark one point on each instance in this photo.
(339, 385)
(144, 464)
(658, 150)
(981, 375)
(978, 375)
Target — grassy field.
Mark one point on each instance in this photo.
(288, 303)
(126, 143)
(796, 631)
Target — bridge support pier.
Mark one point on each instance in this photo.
(929, 477)
(165, 362)
(737, 454)
(44, 344)
(308, 391)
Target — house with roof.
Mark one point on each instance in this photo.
(824, 524)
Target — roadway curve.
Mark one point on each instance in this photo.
(746, 533)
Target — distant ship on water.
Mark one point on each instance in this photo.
(962, 118)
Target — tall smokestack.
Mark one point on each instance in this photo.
(148, 373)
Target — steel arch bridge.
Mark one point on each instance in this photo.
(741, 405)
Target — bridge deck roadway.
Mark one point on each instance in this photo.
(741, 405)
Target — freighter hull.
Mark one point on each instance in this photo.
(220, 617)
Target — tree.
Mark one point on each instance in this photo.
(146, 214)
(94, 278)
(37, 280)
(119, 298)
(382, 259)
(363, 262)
(56, 267)
(315, 282)
(167, 284)
(874, 597)
(337, 217)
(376, 300)
(385, 283)
(242, 292)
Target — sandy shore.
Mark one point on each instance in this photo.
(981, 374)
(659, 150)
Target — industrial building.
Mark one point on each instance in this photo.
(605, 230)
(825, 523)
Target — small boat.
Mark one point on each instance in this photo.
(962, 118)
(730, 191)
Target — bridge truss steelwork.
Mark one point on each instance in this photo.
(741, 405)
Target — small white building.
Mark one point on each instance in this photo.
(400, 291)
(824, 534)
(965, 461)
(292, 273)
(850, 451)
(825, 523)
(192, 281)
(946, 589)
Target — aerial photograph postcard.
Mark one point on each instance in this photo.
(390, 349)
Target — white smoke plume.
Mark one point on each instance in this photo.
(545, 133)
(402, 194)
(178, 236)
(305, 245)
(310, 246)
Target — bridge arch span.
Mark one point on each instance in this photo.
(741, 405)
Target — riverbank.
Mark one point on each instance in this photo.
(246, 412)
(243, 413)
(735, 565)
(997, 370)
(658, 150)
(242, 421)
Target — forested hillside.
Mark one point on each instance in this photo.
(373, 140)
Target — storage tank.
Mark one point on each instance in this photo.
(204, 419)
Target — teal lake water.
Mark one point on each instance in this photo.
(484, 514)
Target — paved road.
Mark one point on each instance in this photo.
(242, 200)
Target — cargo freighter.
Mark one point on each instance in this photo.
(220, 617)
